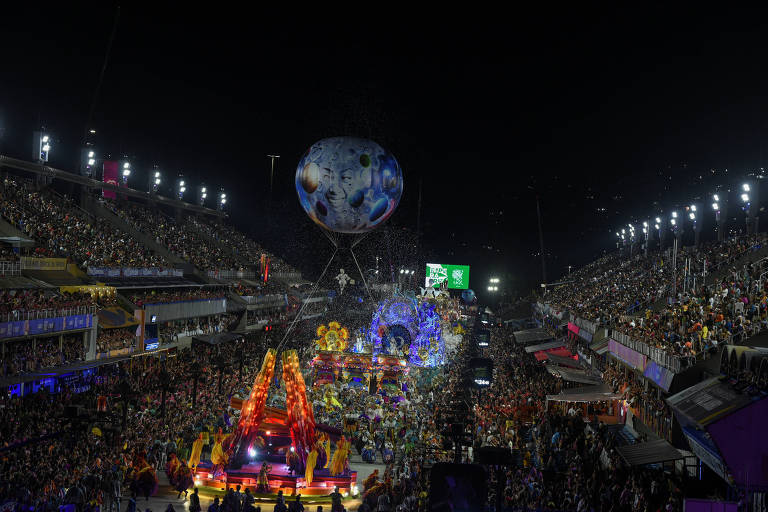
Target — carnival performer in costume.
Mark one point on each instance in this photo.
(262, 483)
(371, 480)
(183, 479)
(309, 471)
(325, 454)
(144, 480)
(172, 468)
(218, 455)
(292, 460)
(340, 457)
(387, 454)
(197, 449)
(329, 397)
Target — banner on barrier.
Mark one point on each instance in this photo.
(631, 357)
(134, 272)
(658, 374)
(44, 326)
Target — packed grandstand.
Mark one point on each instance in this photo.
(116, 360)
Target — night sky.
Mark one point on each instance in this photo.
(611, 116)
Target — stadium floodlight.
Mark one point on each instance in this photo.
(673, 222)
(222, 200)
(203, 195)
(41, 146)
(693, 207)
(645, 230)
(716, 198)
(126, 172)
(692, 216)
(645, 224)
(622, 231)
(657, 226)
(674, 215)
(745, 198)
(745, 187)
(658, 220)
(715, 206)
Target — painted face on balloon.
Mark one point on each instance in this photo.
(338, 186)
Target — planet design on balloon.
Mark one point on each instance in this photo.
(348, 184)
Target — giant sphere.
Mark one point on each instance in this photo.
(348, 185)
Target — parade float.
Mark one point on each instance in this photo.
(275, 450)
(337, 359)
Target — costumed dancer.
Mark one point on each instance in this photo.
(340, 459)
(183, 479)
(309, 471)
(322, 455)
(371, 480)
(387, 454)
(327, 448)
(262, 483)
(144, 482)
(292, 460)
(197, 450)
(218, 455)
(172, 468)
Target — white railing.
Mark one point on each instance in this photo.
(232, 274)
(37, 314)
(10, 268)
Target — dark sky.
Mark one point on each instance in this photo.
(627, 111)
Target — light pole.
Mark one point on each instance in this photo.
(41, 146)
(494, 284)
(720, 206)
(693, 216)
(677, 232)
(203, 195)
(154, 180)
(126, 172)
(181, 189)
(645, 232)
(661, 232)
(222, 200)
(87, 160)
(749, 197)
(272, 172)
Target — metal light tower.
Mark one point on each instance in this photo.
(272, 172)
(720, 206)
(749, 198)
(154, 180)
(41, 146)
(661, 231)
(693, 215)
(646, 231)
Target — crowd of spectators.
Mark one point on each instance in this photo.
(14, 304)
(8, 254)
(172, 331)
(180, 238)
(61, 229)
(563, 461)
(168, 295)
(115, 339)
(27, 356)
(626, 294)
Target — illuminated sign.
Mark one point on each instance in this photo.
(456, 276)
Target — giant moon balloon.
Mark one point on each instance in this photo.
(348, 185)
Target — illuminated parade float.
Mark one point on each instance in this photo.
(279, 450)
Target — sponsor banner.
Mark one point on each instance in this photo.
(631, 357)
(658, 374)
(573, 328)
(13, 329)
(43, 263)
(77, 322)
(134, 272)
(44, 325)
